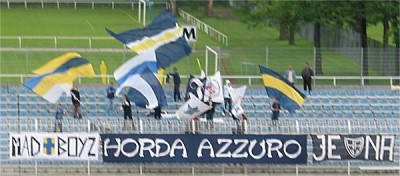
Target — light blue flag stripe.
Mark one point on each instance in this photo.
(141, 100)
(132, 67)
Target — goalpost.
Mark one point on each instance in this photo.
(142, 3)
(209, 49)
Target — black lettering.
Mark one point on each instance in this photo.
(25, 146)
(69, 146)
(83, 145)
(92, 139)
(61, 149)
(15, 146)
(34, 140)
(189, 34)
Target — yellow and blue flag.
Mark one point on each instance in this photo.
(172, 52)
(57, 76)
(280, 88)
(163, 36)
(163, 29)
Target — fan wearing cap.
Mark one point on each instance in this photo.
(227, 97)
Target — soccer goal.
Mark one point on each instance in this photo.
(210, 50)
(142, 12)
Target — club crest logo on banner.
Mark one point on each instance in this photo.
(354, 146)
(213, 87)
(49, 146)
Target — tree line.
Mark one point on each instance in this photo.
(346, 14)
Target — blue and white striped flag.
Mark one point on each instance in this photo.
(146, 90)
(132, 67)
(139, 74)
(164, 29)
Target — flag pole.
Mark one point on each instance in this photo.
(199, 64)
(77, 99)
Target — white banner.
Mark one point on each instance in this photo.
(237, 111)
(213, 89)
(64, 146)
(192, 108)
(237, 95)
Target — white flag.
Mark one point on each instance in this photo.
(192, 108)
(213, 89)
(237, 95)
(202, 74)
(237, 111)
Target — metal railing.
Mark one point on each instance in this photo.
(59, 3)
(250, 79)
(56, 39)
(210, 31)
(146, 126)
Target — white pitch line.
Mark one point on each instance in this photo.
(127, 14)
(90, 25)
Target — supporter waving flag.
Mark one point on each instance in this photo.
(164, 29)
(280, 88)
(139, 73)
(57, 76)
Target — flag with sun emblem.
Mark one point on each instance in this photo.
(192, 108)
(213, 89)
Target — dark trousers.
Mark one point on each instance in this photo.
(157, 113)
(228, 104)
(307, 83)
(275, 115)
(127, 115)
(210, 115)
(177, 94)
(77, 110)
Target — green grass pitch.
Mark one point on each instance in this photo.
(245, 45)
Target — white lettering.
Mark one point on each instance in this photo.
(262, 145)
(387, 148)
(117, 146)
(322, 147)
(369, 141)
(181, 146)
(236, 153)
(292, 155)
(270, 143)
(127, 141)
(142, 142)
(220, 153)
(203, 146)
(158, 147)
(332, 147)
